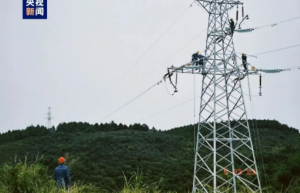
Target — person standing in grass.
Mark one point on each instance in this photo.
(62, 175)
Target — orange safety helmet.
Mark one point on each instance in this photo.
(61, 160)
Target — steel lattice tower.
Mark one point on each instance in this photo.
(49, 118)
(224, 147)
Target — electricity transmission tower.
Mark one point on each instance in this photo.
(224, 157)
(49, 118)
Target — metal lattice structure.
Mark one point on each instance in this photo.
(49, 118)
(224, 158)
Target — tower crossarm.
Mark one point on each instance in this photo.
(210, 71)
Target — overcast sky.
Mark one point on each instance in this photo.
(69, 60)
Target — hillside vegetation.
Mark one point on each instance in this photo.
(103, 154)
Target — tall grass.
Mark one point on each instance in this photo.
(25, 178)
(136, 184)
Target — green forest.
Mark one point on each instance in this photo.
(102, 154)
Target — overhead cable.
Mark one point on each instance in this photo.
(167, 88)
(168, 108)
(274, 24)
(144, 77)
(277, 50)
(133, 99)
(258, 140)
(179, 105)
(246, 54)
(254, 55)
(148, 49)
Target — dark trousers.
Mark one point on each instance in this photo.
(61, 185)
(245, 65)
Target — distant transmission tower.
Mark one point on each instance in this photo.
(224, 158)
(49, 118)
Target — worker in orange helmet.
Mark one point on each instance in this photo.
(62, 174)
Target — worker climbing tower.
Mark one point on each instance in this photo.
(224, 157)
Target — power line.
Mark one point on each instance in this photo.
(177, 52)
(171, 57)
(190, 99)
(144, 77)
(248, 55)
(184, 47)
(147, 49)
(177, 106)
(167, 89)
(258, 140)
(274, 24)
(254, 55)
(181, 49)
(295, 67)
(133, 99)
(168, 108)
(277, 50)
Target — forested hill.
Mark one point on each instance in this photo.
(100, 154)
